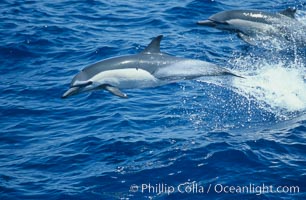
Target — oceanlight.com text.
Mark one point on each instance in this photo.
(197, 188)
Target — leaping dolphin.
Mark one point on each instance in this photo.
(257, 26)
(149, 68)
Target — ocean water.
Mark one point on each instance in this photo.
(211, 138)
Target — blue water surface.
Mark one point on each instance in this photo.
(187, 140)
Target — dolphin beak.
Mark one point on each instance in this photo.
(70, 92)
(206, 23)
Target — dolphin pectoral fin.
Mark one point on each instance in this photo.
(246, 38)
(114, 91)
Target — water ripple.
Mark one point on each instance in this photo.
(95, 145)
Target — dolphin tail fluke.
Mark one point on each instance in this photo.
(232, 74)
(238, 76)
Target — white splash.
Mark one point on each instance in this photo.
(301, 16)
(282, 88)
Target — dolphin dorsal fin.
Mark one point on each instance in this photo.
(154, 46)
(289, 12)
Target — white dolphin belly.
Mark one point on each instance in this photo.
(125, 78)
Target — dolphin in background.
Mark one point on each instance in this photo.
(279, 29)
(149, 68)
